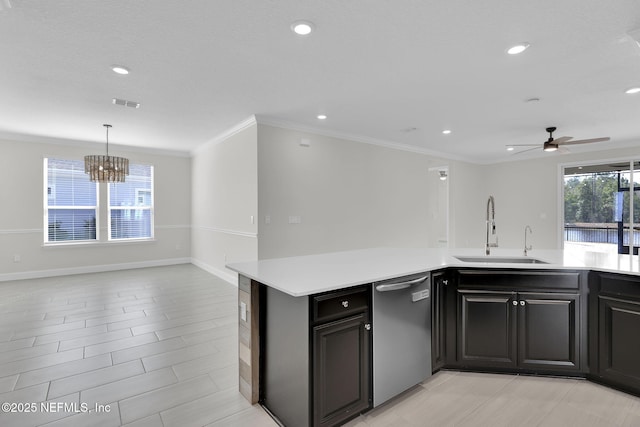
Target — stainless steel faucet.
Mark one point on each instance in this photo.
(527, 248)
(491, 225)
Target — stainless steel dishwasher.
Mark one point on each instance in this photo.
(401, 335)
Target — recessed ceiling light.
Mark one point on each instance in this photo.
(302, 28)
(519, 48)
(510, 148)
(446, 131)
(119, 69)
(633, 90)
(321, 116)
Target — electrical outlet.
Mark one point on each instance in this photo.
(267, 219)
(295, 219)
(17, 258)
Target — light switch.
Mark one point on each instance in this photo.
(243, 311)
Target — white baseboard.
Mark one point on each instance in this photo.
(223, 274)
(92, 269)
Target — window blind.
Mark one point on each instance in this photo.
(70, 201)
(131, 205)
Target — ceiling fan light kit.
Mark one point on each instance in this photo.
(551, 144)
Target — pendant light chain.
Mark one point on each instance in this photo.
(107, 126)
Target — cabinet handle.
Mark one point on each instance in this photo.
(345, 304)
(367, 326)
(522, 302)
(515, 302)
(445, 282)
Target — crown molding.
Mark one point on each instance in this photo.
(270, 121)
(88, 145)
(246, 123)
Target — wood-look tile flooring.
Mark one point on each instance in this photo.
(468, 399)
(158, 347)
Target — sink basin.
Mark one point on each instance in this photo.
(501, 260)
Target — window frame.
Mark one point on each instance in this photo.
(47, 196)
(102, 210)
(630, 159)
(134, 210)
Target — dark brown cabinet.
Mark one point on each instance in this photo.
(315, 356)
(618, 326)
(487, 332)
(548, 331)
(341, 369)
(515, 321)
(439, 286)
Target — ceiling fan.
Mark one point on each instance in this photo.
(552, 144)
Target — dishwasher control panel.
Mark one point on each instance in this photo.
(420, 295)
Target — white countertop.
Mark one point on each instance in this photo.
(311, 274)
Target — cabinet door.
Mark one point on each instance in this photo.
(341, 370)
(439, 286)
(486, 329)
(548, 331)
(619, 344)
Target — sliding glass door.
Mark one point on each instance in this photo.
(602, 207)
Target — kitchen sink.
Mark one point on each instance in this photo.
(501, 260)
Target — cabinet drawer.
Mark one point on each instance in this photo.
(553, 281)
(620, 286)
(339, 304)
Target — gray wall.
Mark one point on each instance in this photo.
(21, 216)
(224, 200)
(527, 192)
(348, 195)
(212, 208)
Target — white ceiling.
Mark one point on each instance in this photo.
(377, 68)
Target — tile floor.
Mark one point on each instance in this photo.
(468, 399)
(158, 347)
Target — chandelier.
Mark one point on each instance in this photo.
(106, 168)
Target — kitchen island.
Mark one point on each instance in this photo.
(592, 299)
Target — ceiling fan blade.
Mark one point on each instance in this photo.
(537, 147)
(563, 150)
(562, 139)
(583, 141)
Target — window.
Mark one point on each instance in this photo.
(71, 202)
(131, 205)
(598, 213)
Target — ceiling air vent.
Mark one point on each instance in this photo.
(126, 103)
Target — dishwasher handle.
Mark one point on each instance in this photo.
(400, 285)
